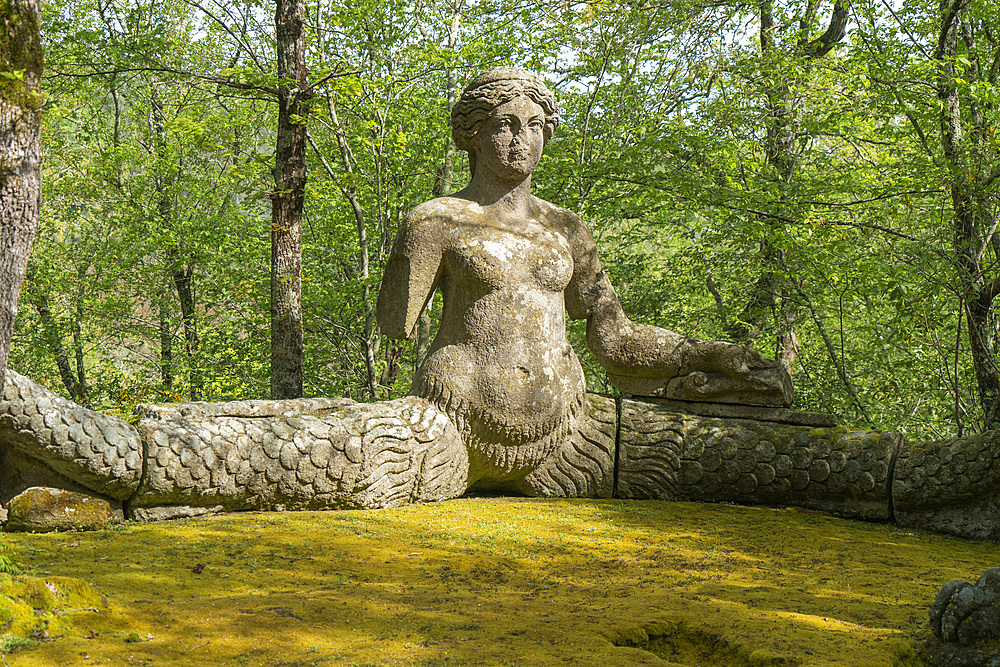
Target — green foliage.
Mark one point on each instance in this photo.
(159, 138)
(10, 643)
(7, 562)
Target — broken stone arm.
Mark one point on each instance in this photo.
(410, 276)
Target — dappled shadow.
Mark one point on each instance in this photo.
(495, 580)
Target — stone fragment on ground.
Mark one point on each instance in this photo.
(173, 512)
(965, 621)
(43, 509)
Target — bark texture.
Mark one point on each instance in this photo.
(968, 152)
(287, 203)
(20, 162)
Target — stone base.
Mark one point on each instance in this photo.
(950, 486)
(755, 412)
(664, 453)
(173, 512)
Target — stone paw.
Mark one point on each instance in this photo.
(966, 613)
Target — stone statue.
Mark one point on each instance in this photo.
(509, 267)
(500, 402)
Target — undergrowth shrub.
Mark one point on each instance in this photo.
(7, 563)
(10, 643)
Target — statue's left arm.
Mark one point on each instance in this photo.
(645, 360)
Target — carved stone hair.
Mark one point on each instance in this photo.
(489, 90)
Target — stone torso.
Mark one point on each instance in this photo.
(501, 364)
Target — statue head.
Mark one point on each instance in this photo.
(489, 90)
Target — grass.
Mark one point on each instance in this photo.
(502, 582)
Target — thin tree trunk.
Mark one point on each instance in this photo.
(20, 160)
(838, 362)
(448, 172)
(422, 333)
(972, 210)
(287, 202)
(363, 269)
(765, 303)
(53, 340)
(181, 275)
(81, 375)
(184, 284)
(166, 340)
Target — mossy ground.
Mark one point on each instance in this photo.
(504, 581)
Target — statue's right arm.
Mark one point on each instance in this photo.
(411, 274)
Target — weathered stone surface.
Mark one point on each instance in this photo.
(755, 412)
(3, 516)
(510, 267)
(677, 456)
(950, 486)
(355, 455)
(173, 512)
(964, 619)
(50, 429)
(583, 466)
(250, 409)
(42, 510)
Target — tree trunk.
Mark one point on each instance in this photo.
(287, 201)
(184, 284)
(166, 341)
(972, 208)
(982, 343)
(181, 275)
(765, 303)
(20, 160)
(81, 375)
(39, 298)
(422, 334)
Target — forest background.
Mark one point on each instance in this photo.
(817, 180)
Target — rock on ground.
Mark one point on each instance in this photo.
(42, 509)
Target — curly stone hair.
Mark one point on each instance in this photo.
(489, 90)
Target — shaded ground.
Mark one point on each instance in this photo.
(503, 581)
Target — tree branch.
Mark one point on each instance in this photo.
(835, 32)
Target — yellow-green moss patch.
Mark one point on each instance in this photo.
(508, 581)
(34, 609)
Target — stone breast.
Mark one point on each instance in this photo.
(496, 259)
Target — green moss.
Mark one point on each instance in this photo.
(33, 608)
(21, 56)
(480, 581)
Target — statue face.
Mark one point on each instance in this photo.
(509, 143)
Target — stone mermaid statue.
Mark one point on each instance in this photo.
(500, 401)
(510, 267)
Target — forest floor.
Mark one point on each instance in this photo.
(494, 581)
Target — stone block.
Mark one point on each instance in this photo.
(668, 454)
(44, 509)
